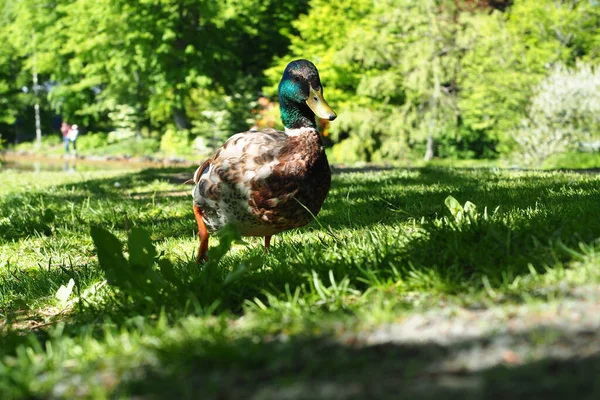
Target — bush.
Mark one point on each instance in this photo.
(134, 147)
(48, 141)
(573, 160)
(564, 112)
(217, 116)
(97, 144)
(91, 141)
(175, 142)
(349, 150)
(460, 143)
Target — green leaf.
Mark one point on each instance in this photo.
(64, 292)
(470, 209)
(21, 303)
(166, 268)
(242, 270)
(137, 277)
(142, 253)
(110, 255)
(454, 206)
(227, 236)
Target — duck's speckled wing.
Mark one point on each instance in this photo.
(263, 182)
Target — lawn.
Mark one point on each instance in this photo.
(431, 282)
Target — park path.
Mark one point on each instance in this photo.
(532, 350)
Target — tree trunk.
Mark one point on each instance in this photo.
(434, 101)
(36, 88)
(139, 107)
(429, 152)
(181, 119)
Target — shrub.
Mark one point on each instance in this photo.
(134, 147)
(48, 141)
(91, 141)
(176, 142)
(98, 144)
(349, 150)
(564, 112)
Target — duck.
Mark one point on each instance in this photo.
(268, 181)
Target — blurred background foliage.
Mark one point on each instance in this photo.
(458, 79)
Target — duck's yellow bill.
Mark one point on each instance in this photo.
(319, 106)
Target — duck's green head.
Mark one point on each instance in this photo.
(301, 96)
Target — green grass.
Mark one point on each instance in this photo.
(573, 160)
(387, 245)
(93, 145)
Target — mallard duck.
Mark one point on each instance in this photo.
(265, 182)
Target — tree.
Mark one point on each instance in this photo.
(166, 50)
(389, 65)
(510, 54)
(161, 58)
(404, 74)
(23, 22)
(10, 104)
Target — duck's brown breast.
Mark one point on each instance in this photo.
(297, 185)
(264, 182)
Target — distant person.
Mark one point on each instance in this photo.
(64, 129)
(72, 136)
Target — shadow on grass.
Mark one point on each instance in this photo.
(370, 200)
(21, 289)
(70, 205)
(324, 368)
(356, 199)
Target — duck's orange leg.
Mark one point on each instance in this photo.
(203, 233)
(267, 242)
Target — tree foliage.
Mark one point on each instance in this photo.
(166, 59)
(452, 78)
(511, 54)
(461, 71)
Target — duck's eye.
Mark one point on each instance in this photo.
(296, 79)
